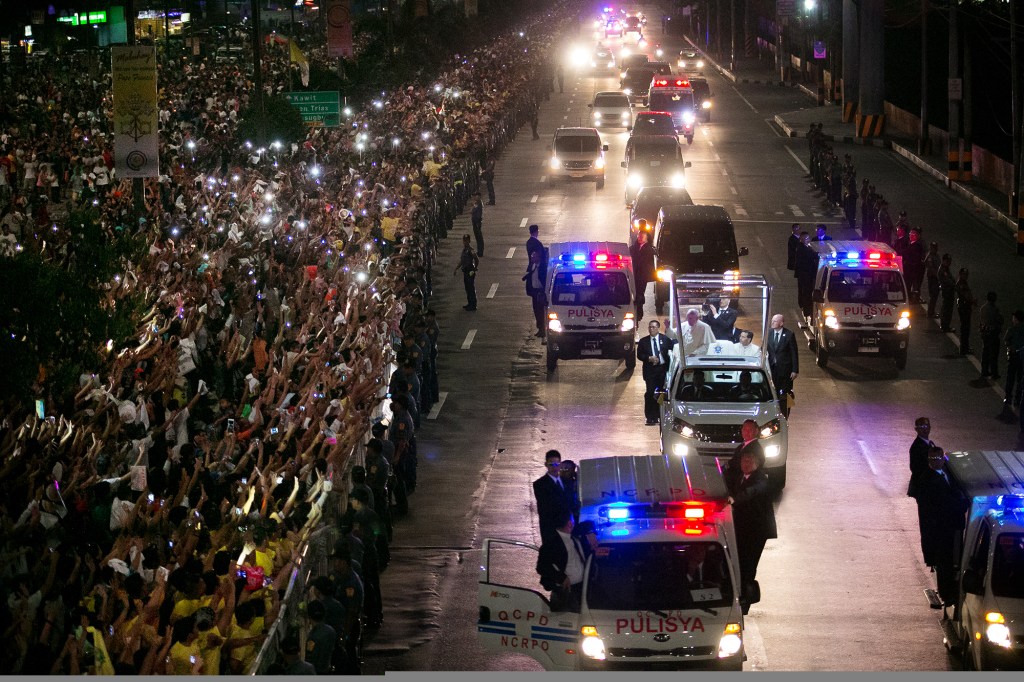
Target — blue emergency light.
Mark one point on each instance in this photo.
(619, 514)
(579, 257)
(1011, 503)
(619, 532)
(852, 255)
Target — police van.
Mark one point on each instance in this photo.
(674, 94)
(661, 592)
(860, 304)
(591, 302)
(987, 624)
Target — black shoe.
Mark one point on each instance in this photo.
(539, 334)
(995, 376)
(652, 422)
(469, 307)
(490, 203)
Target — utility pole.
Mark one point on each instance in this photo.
(851, 59)
(732, 31)
(257, 75)
(1015, 94)
(924, 145)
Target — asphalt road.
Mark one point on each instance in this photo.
(842, 587)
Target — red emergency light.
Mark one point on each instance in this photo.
(678, 83)
(693, 511)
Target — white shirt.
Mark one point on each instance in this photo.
(574, 566)
(751, 350)
(697, 338)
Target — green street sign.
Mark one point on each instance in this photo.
(317, 108)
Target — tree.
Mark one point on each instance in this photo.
(284, 122)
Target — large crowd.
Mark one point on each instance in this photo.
(152, 519)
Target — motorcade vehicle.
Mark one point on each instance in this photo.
(674, 95)
(702, 97)
(612, 109)
(648, 203)
(578, 153)
(653, 123)
(690, 59)
(653, 160)
(637, 83)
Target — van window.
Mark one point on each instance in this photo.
(866, 286)
(671, 101)
(576, 144)
(702, 247)
(590, 288)
(616, 100)
(1008, 566)
(645, 576)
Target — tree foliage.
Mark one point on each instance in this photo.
(284, 122)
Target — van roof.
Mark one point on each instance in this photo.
(654, 139)
(649, 478)
(576, 132)
(843, 246)
(987, 473)
(696, 212)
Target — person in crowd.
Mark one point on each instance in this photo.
(964, 307)
(941, 513)
(477, 217)
(932, 262)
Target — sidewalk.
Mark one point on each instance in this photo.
(796, 124)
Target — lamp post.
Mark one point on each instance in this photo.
(257, 75)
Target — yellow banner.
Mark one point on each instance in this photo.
(136, 125)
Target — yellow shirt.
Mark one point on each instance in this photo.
(186, 607)
(245, 655)
(210, 643)
(181, 658)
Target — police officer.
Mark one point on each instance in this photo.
(477, 217)
(468, 263)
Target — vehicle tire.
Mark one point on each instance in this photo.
(552, 359)
(901, 359)
(777, 477)
(820, 354)
(631, 361)
(600, 182)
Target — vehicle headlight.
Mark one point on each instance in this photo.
(678, 181)
(683, 429)
(599, 164)
(904, 322)
(772, 451)
(554, 324)
(611, 63)
(706, 104)
(664, 275)
(681, 63)
(680, 449)
(628, 324)
(597, 115)
(593, 64)
(700, 63)
(688, 117)
(831, 321)
(626, 52)
(731, 642)
(635, 181)
(997, 632)
(593, 647)
(628, 91)
(771, 428)
(625, 115)
(659, 53)
(556, 163)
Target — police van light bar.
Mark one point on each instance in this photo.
(597, 257)
(691, 511)
(872, 258)
(1011, 503)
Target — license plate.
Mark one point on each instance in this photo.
(590, 351)
(869, 349)
(869, 341)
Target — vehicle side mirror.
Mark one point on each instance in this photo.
(972, 582)
(818, 296)
(604, 147)
(687, 165)
(744, 251)
(623, 164)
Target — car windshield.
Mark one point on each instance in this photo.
(655, 151)
(647, 576)
(650, 125)
(672, 100)
(568, 144)
(590, 288)
(724, 386)
(616, 100)
(866, 286)
(1008, 566)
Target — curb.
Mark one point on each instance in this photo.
(862, 141)
(753, 81)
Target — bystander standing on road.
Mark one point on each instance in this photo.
(750, 497)
(990, 324)
(932, 262)
(913, 265)
(642, 254)
(534, 243)
(947, 288)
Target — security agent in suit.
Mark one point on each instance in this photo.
(653, 352)
(721, 318)
(549, 491)
(941, 514)
(560, 563)
(751, 444)
(919, 454)
(753, 516)
(793, 247)
(782, 358)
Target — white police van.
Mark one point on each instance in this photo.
(860, 304)
(987, 624)
(661, 593)
(591, 302)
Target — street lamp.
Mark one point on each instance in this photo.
(809, 5)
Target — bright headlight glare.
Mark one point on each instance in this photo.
(678, 181)
(831, 321)
(688, 117)
(555, 325)
(593, 647)
(635, 181)
(628, 91)
(700, 63)
(599, 163)
(683, 429)
(772, 451)
(999, 634)
(628, 324)
(904, 321)
(680, 449)
(555, 163)
(730, 645)
(611, 63)
(597, 115)
(706, 104)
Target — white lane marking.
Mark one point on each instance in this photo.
(522, 223)
(569, 109)
(867, 456)
(733, 189)
(533, 199)
(797, 159)
(469, 339)
(757, 655)
(817, 214)
(796, 210)
(775, 273)
(739, 210)
(717, 157)
(759, 241)
(436, 409)
(565, 118)
(511, 252)
(752, 107)
(543, 178)
(493, 290)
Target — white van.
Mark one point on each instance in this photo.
(987, 625)
(578, 153)
(591, 302)
(612, 110)
(643, 606)
(859, 302)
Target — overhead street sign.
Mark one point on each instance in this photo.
(317, 108)
(785, 8)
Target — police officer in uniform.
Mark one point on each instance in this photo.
(468, 263)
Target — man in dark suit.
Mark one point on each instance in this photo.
(748, 432)
(753, 516)
(919, 454)
(642, 253)
(782, 359)
(941, 515)
(652, 351)
(552, 500)
(560, 563)
(793, 247)
(721, 318)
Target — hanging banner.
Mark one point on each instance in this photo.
(136, 129)
(339, 28)
(421, 8)
(471, 8)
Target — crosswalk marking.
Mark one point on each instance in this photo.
(796, 210)
(436, 409)
(493, 290)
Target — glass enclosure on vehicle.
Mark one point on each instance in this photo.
(576, 144)
(590, 288)
(1008, 566)
(650, 576)
(866, 286)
